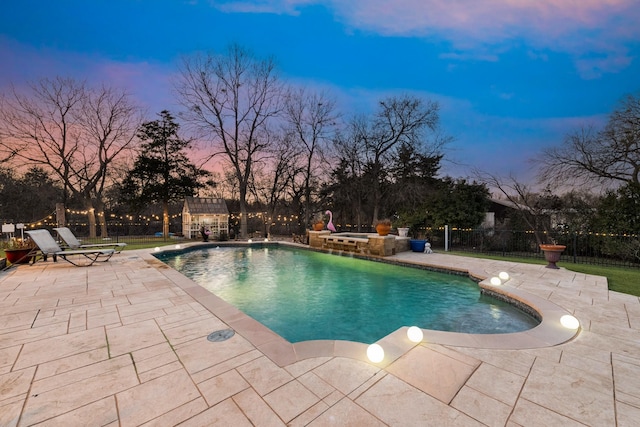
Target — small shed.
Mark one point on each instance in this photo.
(210, 213)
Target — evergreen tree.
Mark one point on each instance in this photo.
(458, 203)
(162, 172)
(619, 211)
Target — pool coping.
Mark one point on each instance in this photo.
(548, 333)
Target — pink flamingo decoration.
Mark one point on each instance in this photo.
(330, 225)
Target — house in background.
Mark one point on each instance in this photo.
(205, 212)
(498, 214)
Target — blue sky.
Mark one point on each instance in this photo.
(510, 76)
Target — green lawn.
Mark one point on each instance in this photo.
(620, 279)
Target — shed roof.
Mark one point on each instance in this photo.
(205, 205)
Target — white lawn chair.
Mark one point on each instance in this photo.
(70, 240)
(48, 246)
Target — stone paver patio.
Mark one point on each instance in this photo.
(123, 343)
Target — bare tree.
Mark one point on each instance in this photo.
(607, 156)
(110, 122)
(311, 118)
(231, 98)
(72, 131)
(404, 119)
(272, 180)
(347, 186)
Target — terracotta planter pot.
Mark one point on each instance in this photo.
(318, 226)
(18, 256)
(383, 229)
(552, 254)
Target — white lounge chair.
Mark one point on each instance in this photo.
(48, 246)
(70, 240)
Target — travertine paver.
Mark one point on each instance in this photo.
(224, 413)
(497, 383)
(256, 409)
(124, 343)
(222, 387)
(569, 391)
(264, 375)
(346, 413)
(290, 400)
(397, 403)
(432, 372)
(135, 336)
(62, 393)
(60, 347)
(150, 400)
(483, 408)
(527, 413)
(345, 375)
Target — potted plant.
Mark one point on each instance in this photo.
(403, 231)
(403, 228)
(552, 254)
(17, 250)
(317, 223)
(383, 227)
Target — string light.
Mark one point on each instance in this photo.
(146, 220)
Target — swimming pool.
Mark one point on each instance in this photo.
(306, 295)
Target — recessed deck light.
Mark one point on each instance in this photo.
(569, 322)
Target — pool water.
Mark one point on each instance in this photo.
(305, 295)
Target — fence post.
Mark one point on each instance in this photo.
(446, 238)
(60, 215)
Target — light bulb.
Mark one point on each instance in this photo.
(415, 334)
(569, 322)
(375, 353)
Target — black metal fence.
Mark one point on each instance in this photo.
(622, 250)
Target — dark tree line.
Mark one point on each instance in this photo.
(27, 197)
